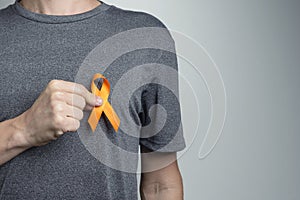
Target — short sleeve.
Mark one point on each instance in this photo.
(161, 119)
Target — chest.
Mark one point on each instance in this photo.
(26, 67)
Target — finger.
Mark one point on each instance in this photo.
(73, 112)
(75, 100)
(88, 107)
(71, 124)
(57, 134)
(78, 89)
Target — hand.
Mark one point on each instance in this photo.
(57, 110)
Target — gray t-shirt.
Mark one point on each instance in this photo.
(37, 48)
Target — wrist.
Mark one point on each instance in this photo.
(18, 137)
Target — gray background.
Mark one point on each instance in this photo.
(256, 46)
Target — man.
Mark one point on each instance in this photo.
(41, 156)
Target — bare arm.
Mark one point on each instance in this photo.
(11, 142)
(162, 183)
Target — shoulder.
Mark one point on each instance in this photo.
(6, 14)
(137, 18)
(129, 19)
(6, 11)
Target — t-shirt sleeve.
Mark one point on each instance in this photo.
(161, 119)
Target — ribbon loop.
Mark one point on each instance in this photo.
(105, 107)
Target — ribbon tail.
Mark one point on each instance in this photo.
(95, 117)
(112, 116)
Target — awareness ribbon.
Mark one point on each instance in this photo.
(105, 107)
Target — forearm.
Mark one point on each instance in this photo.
(11, 139)
(163, 191)
(161, 178)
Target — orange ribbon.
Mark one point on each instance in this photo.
(105, 107)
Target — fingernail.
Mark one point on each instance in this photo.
(98, 101)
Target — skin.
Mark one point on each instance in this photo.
(161, 178)
(61, 106)
(59, 7)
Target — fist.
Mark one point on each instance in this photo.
(58, 109)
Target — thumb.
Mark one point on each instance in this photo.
(93, 100)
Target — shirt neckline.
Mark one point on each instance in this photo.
(57, 19)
